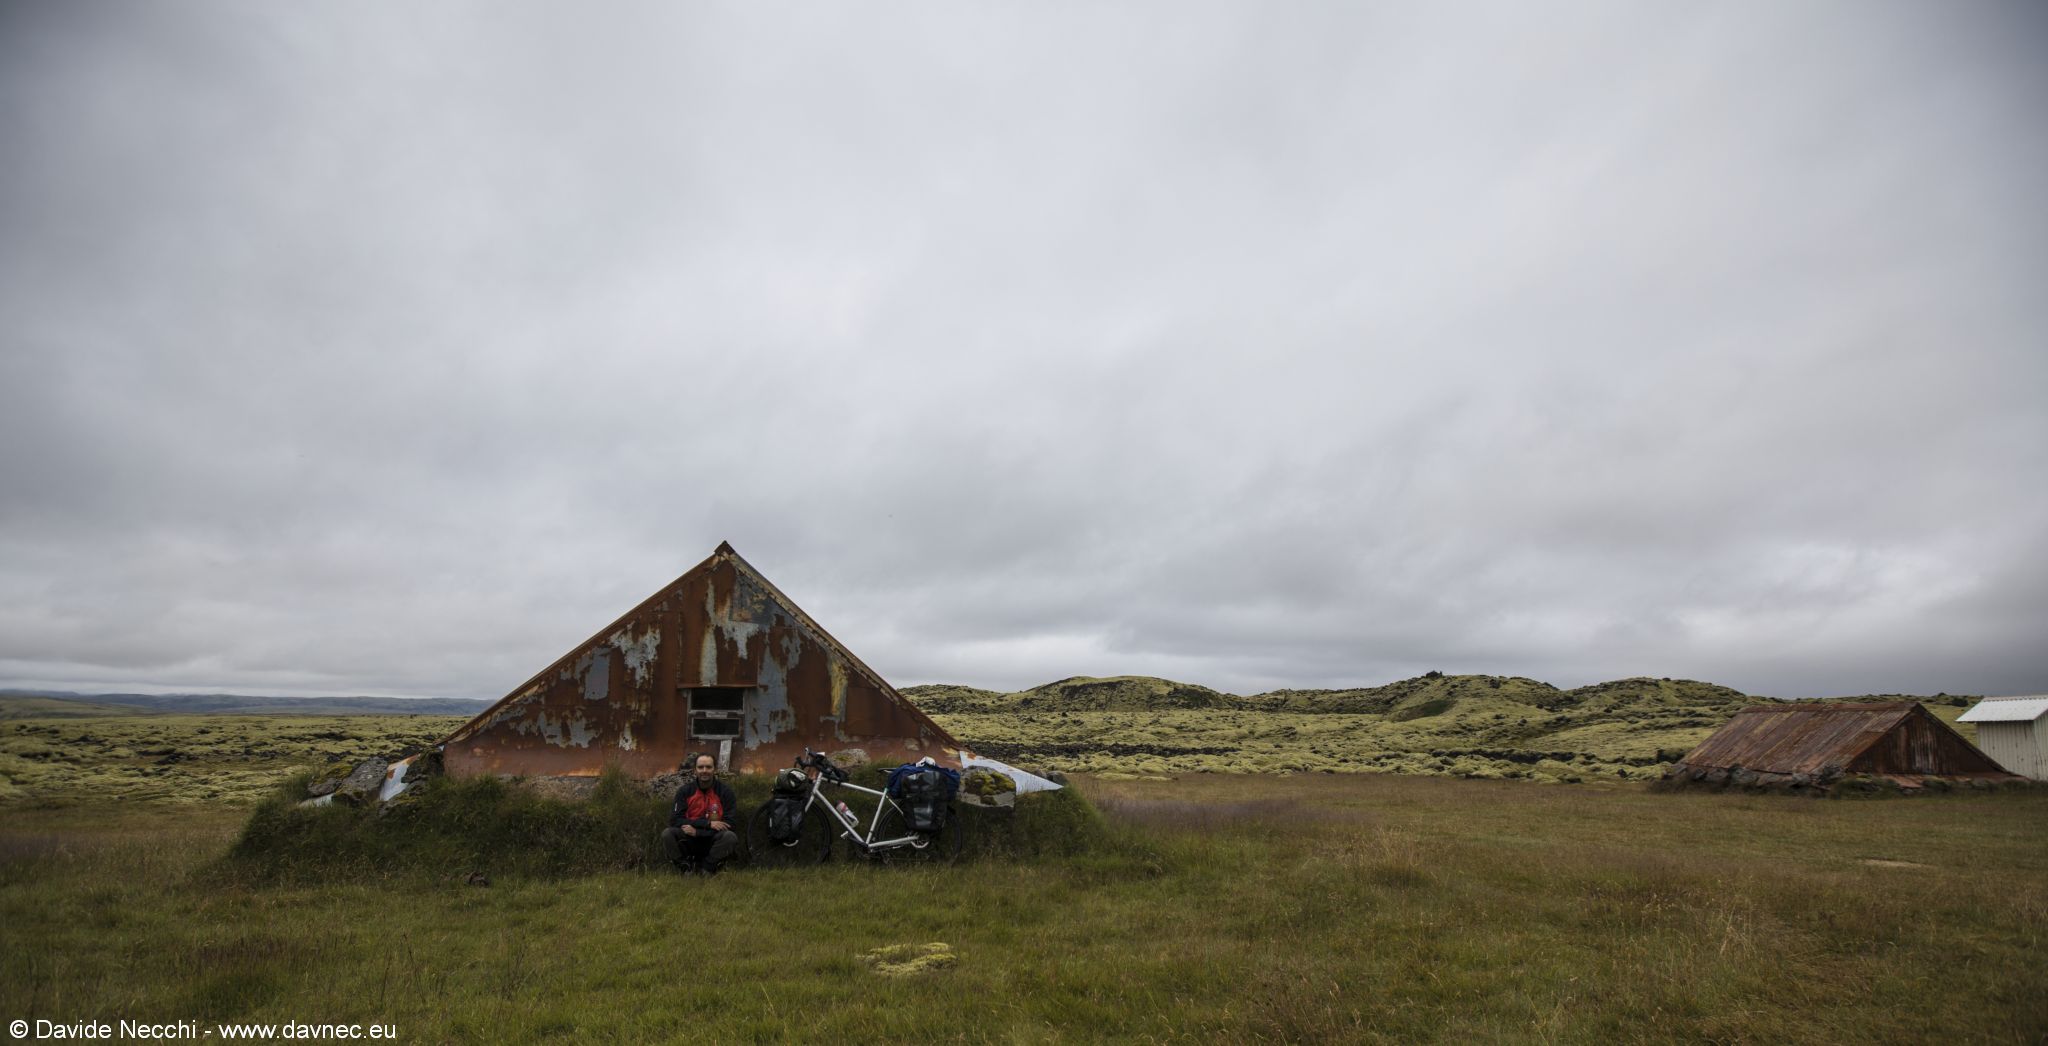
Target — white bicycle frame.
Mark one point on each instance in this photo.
(849, 824)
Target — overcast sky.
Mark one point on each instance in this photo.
(396, 348)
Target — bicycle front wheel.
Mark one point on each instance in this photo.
(812, 844)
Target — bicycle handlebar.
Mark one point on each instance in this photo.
(823, 765)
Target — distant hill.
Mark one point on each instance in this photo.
(1418, 698)
(1119, 694)
(21, 707)
(1074, 694)
(1465, 725)
(58, 704)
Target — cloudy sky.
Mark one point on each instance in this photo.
(396, 348)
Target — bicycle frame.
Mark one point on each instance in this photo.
(849, 824)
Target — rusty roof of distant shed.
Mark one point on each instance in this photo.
(1795, 739)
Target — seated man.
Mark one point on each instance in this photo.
(700, 835)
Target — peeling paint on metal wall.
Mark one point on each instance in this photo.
(769, 713)
(621, 696)
(639, 654)
(596, 667)
(707, 667)
(835, 669)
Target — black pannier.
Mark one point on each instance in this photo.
(785, 818)
(786, 809)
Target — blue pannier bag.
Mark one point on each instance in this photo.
(924, 790)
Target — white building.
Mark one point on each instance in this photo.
(2011, 730)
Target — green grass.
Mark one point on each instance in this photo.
(1371, 908)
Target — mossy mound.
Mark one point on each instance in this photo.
(1074, 694)
(1421, 697)
(455, 826)
(941, 697)
(452, 826)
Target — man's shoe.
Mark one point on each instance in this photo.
(707, 869)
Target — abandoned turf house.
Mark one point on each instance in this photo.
(718, 661)
(1815, 746)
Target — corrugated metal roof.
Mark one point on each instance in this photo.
(1798, 739)
(2006, 710)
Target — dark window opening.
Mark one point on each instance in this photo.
(716, 712)
(712, 726)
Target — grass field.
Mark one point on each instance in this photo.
(1353, 907)
(133, 757)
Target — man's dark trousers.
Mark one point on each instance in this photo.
(708, 849)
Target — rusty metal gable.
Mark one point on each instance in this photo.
(1923, 744)
(874, 679)
(618, 697)
(524, 692)
(1794, 739)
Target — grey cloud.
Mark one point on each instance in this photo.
(397, 350)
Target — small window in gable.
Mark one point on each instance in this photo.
(717, 712)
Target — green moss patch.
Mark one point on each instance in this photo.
(910, 960)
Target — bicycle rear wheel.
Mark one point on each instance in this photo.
(941, 847)
(813, 842)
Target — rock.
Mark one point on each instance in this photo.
(986, 783)
(1742, 777)
(1054, 776)
(363, 783)
(328, 780)
(666, 785)
(984, 787)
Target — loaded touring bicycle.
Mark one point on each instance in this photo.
(912, 818)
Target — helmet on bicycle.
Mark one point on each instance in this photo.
(792, 780)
